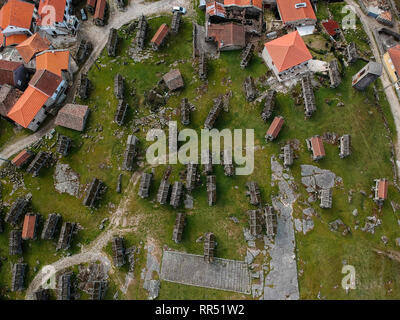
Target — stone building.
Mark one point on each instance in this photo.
(345, 146)
(119, 86)
(118, 249)
(178, 227)
(362, 79)
(250, 89)
(130, 152)
(269, 105)
(211, 190)
(15, 243)
(226, 161)
(145, 183)
(191, 176)
(18, 276)
(163, 191)
(64, 287)
(253, 193)
(203, 70)
(209, 247)
(326, 198)
(176, 22)
(40, 160)
(120, 113)
(214, 113)
(316, 145)
(63, 145)
(274, 128)
(176, 194)
(160, 37)
(50, 226)
(29, 228)
(380, 191)
(310, 105)
(173, 79)
(287, 156)
(141, 33)
(112, 43)
(270, 222)
(255, 222)
(351, 53)
(246, 56)
(66, 233)
(94, 192)
(185, 112)
(334, 73)
(17, 210)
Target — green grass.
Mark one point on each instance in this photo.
(319, 253)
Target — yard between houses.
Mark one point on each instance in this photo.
(98, 152)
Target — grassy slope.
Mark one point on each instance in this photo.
(321, 250)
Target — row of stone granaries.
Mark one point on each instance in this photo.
(29, 226)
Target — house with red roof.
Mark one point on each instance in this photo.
(15, 22)
(44, 91)
(380, 191)
(160, 36)
(14, 74)
(56, 61)
(55, 17)
(331, 27)
(287, 56)
(391, 61)
(296, 12)
(228, 36)
(256, 5)
(32, 46)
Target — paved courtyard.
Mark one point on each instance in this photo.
(190, 269)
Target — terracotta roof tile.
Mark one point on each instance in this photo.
(317, 147)
(100, 9)
(394, 54)
(54, 61)
(227, 34)
(32, 46)
(16, 13)
(91, 3)
(331, 26)
(22, 158)
(215, 8)
(290, 13)
(28, 229)
(244, 3)
(288, 51)
(275, 127)
(27, 106)
(58, 5)
(382, 189)
(161, 33)
(45, 81)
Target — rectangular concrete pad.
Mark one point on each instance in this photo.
(191, 269)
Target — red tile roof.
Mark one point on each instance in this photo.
(21, 158)
(45, 81)
(317, 147)
(394, 54)
(7, 69)
(215, 8)
(12, 39)
(100, 9)
(160, 35)
(54, 61)
(244, 3)
(331, 26)
(289, 13)
(288, 51)
(382, 189)
(16, 13)
(91, 3)
(59, 8)
(32, 46)
(28, 230)
(27, 107)
(275, 127)
(228, 34)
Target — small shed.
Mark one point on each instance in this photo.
(160, 36)
(174, 80)
(73, 116)
(22, 158)
(274, 128)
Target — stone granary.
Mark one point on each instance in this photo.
(17, 210)
(209, 247)
(207, 162)
(308, 96)
(64, 287)
(250, 89)
(73, 116)
(325, 196)
(226, 161)
(118, 249)
(334, 73)
(94, 192)
(176, 194)
(119, 87)
(214, 113)
(211, 190)
(18, 277)
(176, 22)
(40, 160)
(144, 186)
(274, 128)
(253, 193)
(178, 227)
(51, 226)
(269, 105)
(141, 33)
(112, 42)
(174, 80)
(203, 67)
(246, 56)
(185, 112)
(42, 294)
(255, 222)
(23, 158)
(380, 191)
(120, 113)
(159, 37)
(345, 146)
(98, 290)
(362, 79)
(271, 224)
(15, 243)
(84, 50)
(191, 176)
(29, 229)
(351, 53)
(84, 86)
(163, 191)
(130, 152)
(64, 241)
(316, 145)
(63, 145)
(287, 156)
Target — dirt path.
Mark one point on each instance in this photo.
(370, 24)
(98, 36)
